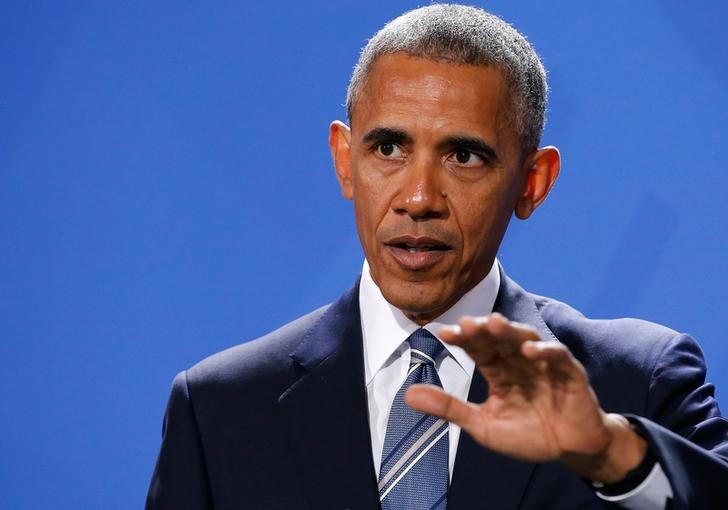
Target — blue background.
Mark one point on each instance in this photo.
(166, 192)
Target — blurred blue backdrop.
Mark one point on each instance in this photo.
(166, 192)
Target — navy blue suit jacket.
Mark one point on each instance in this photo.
(281, 422)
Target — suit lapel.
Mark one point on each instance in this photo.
(517, 305)
(326, 412)
(481, 475)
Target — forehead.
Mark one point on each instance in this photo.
(432, 95)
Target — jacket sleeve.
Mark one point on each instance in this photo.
(685, 429)
(180, 480)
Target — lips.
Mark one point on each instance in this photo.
(416, 253)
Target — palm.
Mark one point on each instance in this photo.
(540, 405)
(537, 418)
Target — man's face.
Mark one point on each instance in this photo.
(434, 172)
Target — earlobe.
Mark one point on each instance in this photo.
(340, 145)
(543, 168)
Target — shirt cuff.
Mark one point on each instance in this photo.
(652, 494)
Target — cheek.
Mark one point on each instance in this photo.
(483, 217)
(371, 202)
(367, 213)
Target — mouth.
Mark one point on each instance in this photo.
(417, 244)
(419, 248)
(416, 253)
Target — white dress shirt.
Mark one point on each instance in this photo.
(387, 355)
(385, 330)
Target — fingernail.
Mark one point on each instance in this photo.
(480, 320)
(454, 329)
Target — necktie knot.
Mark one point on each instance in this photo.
(425, 348)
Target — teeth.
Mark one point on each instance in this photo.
(415, 249)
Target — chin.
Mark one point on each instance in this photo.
(413, 298)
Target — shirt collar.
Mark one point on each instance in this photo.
(385, 327)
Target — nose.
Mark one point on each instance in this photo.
(421, 195)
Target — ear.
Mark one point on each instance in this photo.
(542, 167)
(340, 144)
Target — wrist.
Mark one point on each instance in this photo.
(624, 452)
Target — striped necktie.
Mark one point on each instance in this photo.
(414, 469)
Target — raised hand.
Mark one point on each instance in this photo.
(540, 406)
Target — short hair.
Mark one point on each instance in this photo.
(465, 35)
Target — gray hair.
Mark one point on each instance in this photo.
(465, 35)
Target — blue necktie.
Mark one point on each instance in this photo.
(414, 471)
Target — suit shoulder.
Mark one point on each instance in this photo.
(264, 357)
(624, 357)
(626, 340)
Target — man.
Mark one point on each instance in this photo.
(446, 107)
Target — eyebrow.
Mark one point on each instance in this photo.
(383, 134)
(471, 144)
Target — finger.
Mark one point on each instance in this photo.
(500, 327)
(432, 400)
(475, 342)
(557, 356)
(482, 324)
(450, 334)
(506, 334)
(545, 351)
(470, 336)
(486, 338)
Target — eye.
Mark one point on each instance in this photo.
(388, 150)
(466, 158)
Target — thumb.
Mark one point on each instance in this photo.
(432, 400)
